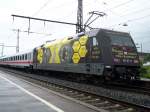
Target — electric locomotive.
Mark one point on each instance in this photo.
(96, 53)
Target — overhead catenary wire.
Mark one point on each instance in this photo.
(43, 6)
(137, 11)
(132, 20)
(119, 5)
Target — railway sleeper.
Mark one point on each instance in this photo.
(111, 106)
(85, 98)
(92, 101)
(101, 103)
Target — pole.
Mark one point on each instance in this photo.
(79, 27)
(141, 48)
(2, 50)
(17, 48)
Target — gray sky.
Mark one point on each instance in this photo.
(135, 13)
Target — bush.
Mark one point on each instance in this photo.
(145, 71)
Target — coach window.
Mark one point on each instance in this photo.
(25, 56)
(22, 57)
(29, 56)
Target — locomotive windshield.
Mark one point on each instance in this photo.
(121, 40)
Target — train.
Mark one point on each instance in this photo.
(95, 54)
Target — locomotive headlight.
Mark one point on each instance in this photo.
(107, 66)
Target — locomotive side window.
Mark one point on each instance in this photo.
(95, 42)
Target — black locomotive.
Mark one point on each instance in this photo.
(96, 53)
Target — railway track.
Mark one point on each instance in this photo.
(131, 87)
(93, 97)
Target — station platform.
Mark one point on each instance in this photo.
(17, 95)
(145, 79)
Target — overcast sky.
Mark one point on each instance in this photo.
(135, 13)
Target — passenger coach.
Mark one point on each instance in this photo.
(21, 60)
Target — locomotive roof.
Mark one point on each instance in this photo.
(91, 33)
(94, 32)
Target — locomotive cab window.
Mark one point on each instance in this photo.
(121, 40)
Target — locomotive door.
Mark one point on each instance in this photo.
(94, 48)
(94, 65)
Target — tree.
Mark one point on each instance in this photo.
(147, 58)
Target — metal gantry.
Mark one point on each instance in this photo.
(80, 27)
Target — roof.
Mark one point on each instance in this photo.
(16, 54)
